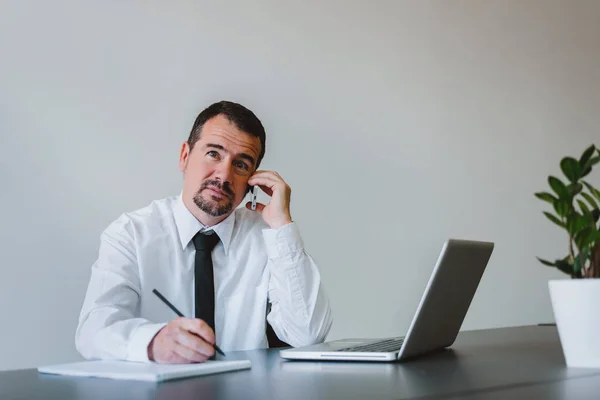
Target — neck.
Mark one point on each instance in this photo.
(204, 218)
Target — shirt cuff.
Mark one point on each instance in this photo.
(283, 241)
(139, 341)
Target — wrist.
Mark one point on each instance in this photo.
(150, 350)
(281, 222)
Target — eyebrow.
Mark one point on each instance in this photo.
(244, 156)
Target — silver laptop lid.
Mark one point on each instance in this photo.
(447, 296)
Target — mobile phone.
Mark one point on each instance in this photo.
(254, 193)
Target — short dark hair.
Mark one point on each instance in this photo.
(237, 114)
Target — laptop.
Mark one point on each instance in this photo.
(438, 318)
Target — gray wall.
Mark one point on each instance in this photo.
(398, 124)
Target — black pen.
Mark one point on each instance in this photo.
(172, 307)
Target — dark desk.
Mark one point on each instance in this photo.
(524, 362)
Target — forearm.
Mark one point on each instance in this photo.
(106, 333)
(300, 312)
(109, 324)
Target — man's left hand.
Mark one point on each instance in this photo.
(277, 213)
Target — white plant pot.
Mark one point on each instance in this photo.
(575, 304)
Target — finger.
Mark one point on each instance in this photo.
(259, 207)
(268, 174)
(277, 175)
(265, 171)
(194, 343)
(172, 358)
(199, 327)
(274, 175)
(264, 178)
(265, 182)
(267, 190)
(189, 355)
(262, 172)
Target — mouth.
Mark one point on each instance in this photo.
(217, 192)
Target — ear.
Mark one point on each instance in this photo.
(184, 155)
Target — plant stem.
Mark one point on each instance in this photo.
(571, 253)
(595, 260)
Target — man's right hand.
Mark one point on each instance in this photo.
(182, 341)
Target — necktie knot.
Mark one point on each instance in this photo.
(205, 242)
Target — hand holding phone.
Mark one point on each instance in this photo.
(277, 212)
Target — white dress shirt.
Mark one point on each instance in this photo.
(254, 265)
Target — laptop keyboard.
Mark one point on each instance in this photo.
(384, 346)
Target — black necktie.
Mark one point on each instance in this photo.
(204, 287)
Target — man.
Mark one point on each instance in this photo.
(229, 270)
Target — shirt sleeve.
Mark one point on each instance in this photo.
(108, 327)
(300, 311)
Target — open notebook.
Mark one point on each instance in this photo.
(143, 371)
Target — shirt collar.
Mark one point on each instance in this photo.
(188, 225)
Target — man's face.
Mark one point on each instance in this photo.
(217, 169)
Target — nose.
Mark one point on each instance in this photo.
(224, 173)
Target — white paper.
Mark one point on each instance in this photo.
(143, 371)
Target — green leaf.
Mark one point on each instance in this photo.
(587, 154)
(548, 263)
(562, 207)
(575, 188)
(593, 190)
(595, 215)
(591, 239)
(586, 253)
(558, 187)
(592, 161)
(546, 197)
(571, 168)
(587, 168)
(583, 221)
(590, 200)
(577, 265)
(571, 225)
(582, 237)
(576, 222)
(584, 208)
(586, 172)
(554, 219)
(564, 266)
(580, 260)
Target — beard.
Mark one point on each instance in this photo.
(212, 206)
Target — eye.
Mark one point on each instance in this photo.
(241, 165)
(212, 154)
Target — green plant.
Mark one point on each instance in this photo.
(577, 211)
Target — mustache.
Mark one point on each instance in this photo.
(225, 187)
